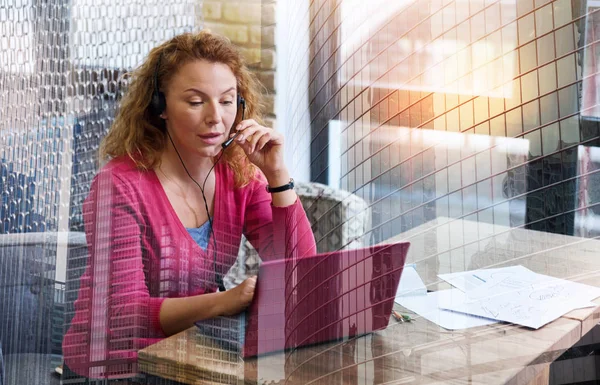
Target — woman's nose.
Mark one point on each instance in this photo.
(213, 113)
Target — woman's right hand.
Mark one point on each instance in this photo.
(238, 298)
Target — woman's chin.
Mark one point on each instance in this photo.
(209, 151)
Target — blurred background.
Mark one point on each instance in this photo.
(483, 110)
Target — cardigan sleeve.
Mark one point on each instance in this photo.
(114, 313)
(277, 232)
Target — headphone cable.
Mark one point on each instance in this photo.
(218, 277)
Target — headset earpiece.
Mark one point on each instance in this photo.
(158, 103)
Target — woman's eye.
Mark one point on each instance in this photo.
(227, 102)
(196, 103)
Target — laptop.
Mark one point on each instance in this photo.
(326, 297)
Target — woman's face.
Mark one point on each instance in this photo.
(201, 107)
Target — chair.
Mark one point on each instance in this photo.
(338, 218)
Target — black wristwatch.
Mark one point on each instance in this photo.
(285, 187)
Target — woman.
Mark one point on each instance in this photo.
(165, 216)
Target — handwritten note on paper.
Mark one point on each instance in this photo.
(429, 308)
(524, 297)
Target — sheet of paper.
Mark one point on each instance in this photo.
(469, 280)
(427, 306)
(410, 283)
(523, 297)
(518, 276)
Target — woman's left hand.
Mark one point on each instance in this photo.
(262, 145)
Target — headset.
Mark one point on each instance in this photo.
(158, 104)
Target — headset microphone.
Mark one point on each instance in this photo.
(242, 103)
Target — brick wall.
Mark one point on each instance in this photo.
(250, 24)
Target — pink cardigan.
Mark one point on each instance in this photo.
(140, 253)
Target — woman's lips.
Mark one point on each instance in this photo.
(215, 138)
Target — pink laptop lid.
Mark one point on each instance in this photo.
(325, 297)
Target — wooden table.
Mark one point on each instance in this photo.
(419, 352)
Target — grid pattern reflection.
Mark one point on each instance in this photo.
(464, 125)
